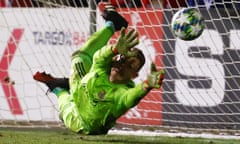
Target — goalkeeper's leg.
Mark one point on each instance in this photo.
(82, 59)
(68, 111)
(114, 22)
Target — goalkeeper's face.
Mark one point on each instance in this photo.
(124, 68)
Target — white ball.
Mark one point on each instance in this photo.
(187, 24)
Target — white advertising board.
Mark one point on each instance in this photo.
(36, 40)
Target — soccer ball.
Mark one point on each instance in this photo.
(187, 24)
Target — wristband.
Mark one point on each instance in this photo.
(145, 86)
(114, 50)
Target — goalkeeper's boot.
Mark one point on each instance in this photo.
(109, 13)
(50, 81)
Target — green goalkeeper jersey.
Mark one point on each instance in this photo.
(100, 103)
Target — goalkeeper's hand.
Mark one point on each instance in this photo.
(154, 79)
(126, 41)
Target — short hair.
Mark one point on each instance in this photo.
(140, 56)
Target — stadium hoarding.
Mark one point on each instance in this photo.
(202, 76)
(33, 40)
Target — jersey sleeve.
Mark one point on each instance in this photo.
(131, 97)
(103, 58)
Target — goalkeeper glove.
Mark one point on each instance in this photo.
(154, 79)
(126, 41)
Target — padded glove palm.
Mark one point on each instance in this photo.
(126, 41)
(155, 78)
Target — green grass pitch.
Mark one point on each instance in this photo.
(63, 136)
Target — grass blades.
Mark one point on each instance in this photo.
(63, 136)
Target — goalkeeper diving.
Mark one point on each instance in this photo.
(100, 88)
